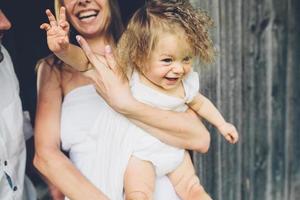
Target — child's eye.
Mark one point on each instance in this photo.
(167, 60)
(187, 59)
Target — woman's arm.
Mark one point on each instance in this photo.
(49, 159)
(183, 130)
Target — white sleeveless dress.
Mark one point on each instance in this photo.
(100, 141)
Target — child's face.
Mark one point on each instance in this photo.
(170, 61)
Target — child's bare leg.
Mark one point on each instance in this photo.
(186, 182)
(139, 180)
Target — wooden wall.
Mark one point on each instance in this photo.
(254, 84)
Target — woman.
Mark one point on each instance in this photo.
(98, 22)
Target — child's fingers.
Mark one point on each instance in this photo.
(234, 134)
(45, 26)
(228, 138)
(51, 18)
(236, 137)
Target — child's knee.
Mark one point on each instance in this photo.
(137, 195)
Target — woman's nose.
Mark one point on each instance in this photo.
(83, 1)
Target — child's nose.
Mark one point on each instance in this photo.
(178, 68)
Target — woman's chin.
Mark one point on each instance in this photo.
(89, 33)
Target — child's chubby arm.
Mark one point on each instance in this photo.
(205, 108)
(58, 41)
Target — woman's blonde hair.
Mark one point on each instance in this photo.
(57, 6)
(142, 32)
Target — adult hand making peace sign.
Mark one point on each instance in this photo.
(111, 83)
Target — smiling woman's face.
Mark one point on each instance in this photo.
(88, 17)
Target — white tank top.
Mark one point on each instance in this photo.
(80, 109)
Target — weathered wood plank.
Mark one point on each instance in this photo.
(218, 87)
(278, 92)
(250, 54)
(230, 98)
(253, 83)
(292, 150)
(209, 165)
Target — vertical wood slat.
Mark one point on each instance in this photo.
(230, 107)
(253, 83)
(293, 100)
(278, 87)
(210, 167)
(263, 79)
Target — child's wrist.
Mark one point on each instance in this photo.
(220, 125)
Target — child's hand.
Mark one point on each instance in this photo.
(57, 31)
(229, 132)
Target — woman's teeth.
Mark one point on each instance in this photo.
(87, 14)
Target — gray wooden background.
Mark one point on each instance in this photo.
(254, 84)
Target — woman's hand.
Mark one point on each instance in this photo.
(57, 31)
(110, 82)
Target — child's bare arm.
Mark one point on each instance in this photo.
(205, 108)
(58, 41)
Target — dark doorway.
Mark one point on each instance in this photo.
(26, 44)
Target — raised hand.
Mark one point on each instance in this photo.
(57, 31)
(110, 82)
(229, 132)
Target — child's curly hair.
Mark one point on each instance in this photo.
(142, 32)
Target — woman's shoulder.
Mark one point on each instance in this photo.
(50, 61)
(48, 71)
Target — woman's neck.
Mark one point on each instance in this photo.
(98, 44)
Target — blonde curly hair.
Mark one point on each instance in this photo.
(142, 33)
